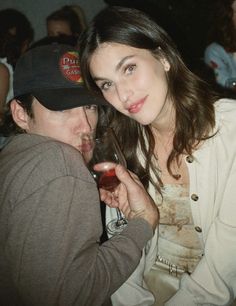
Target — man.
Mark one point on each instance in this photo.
(50, 220)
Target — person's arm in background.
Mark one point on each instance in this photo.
(220, 62)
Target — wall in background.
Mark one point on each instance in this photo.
(37, 11)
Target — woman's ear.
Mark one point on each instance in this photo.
(165, 64)
(19, 115)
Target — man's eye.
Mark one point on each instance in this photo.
(91, 107)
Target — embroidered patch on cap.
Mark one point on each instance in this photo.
(69, 66)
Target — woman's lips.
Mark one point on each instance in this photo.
(136, 107)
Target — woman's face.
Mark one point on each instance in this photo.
(133, 81)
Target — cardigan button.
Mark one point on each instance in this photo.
(198, 229)
(194, 197)
(189, 158)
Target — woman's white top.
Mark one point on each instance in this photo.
(212, 196)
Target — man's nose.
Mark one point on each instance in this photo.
(82, 122)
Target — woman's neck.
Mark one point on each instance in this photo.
(164, 124)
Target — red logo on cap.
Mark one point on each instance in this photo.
(69, 65)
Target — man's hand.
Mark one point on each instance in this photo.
(131, 198)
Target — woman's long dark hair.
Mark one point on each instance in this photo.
(192, 98)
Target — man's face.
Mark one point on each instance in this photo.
(75, 126)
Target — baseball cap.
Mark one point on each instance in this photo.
(51, 73)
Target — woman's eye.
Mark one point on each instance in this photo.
(130, 68)
(105, 85)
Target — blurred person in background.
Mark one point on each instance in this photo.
(16, 34)
(81, 15)
(220, 54)
(62, 39)
(68, 20)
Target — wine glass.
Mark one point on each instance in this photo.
(106, 155)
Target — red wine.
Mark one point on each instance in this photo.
(108, 180)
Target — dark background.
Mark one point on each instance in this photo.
(38, 10)
(186, 21)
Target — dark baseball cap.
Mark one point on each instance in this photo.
(51, 73)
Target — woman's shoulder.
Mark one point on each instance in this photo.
(225, 112)
(225, 105)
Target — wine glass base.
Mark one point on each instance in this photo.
(115, 227)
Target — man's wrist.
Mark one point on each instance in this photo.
(139, 230)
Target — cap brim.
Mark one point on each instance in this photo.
(66, 98)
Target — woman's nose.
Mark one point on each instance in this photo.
(124, 92)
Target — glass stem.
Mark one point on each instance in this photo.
(119, 215)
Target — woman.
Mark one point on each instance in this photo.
(180, 139)
(220, 53)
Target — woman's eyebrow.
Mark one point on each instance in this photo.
(121, 62)
(117, 67)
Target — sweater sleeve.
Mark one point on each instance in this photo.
(53, 246)
(134, 291)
